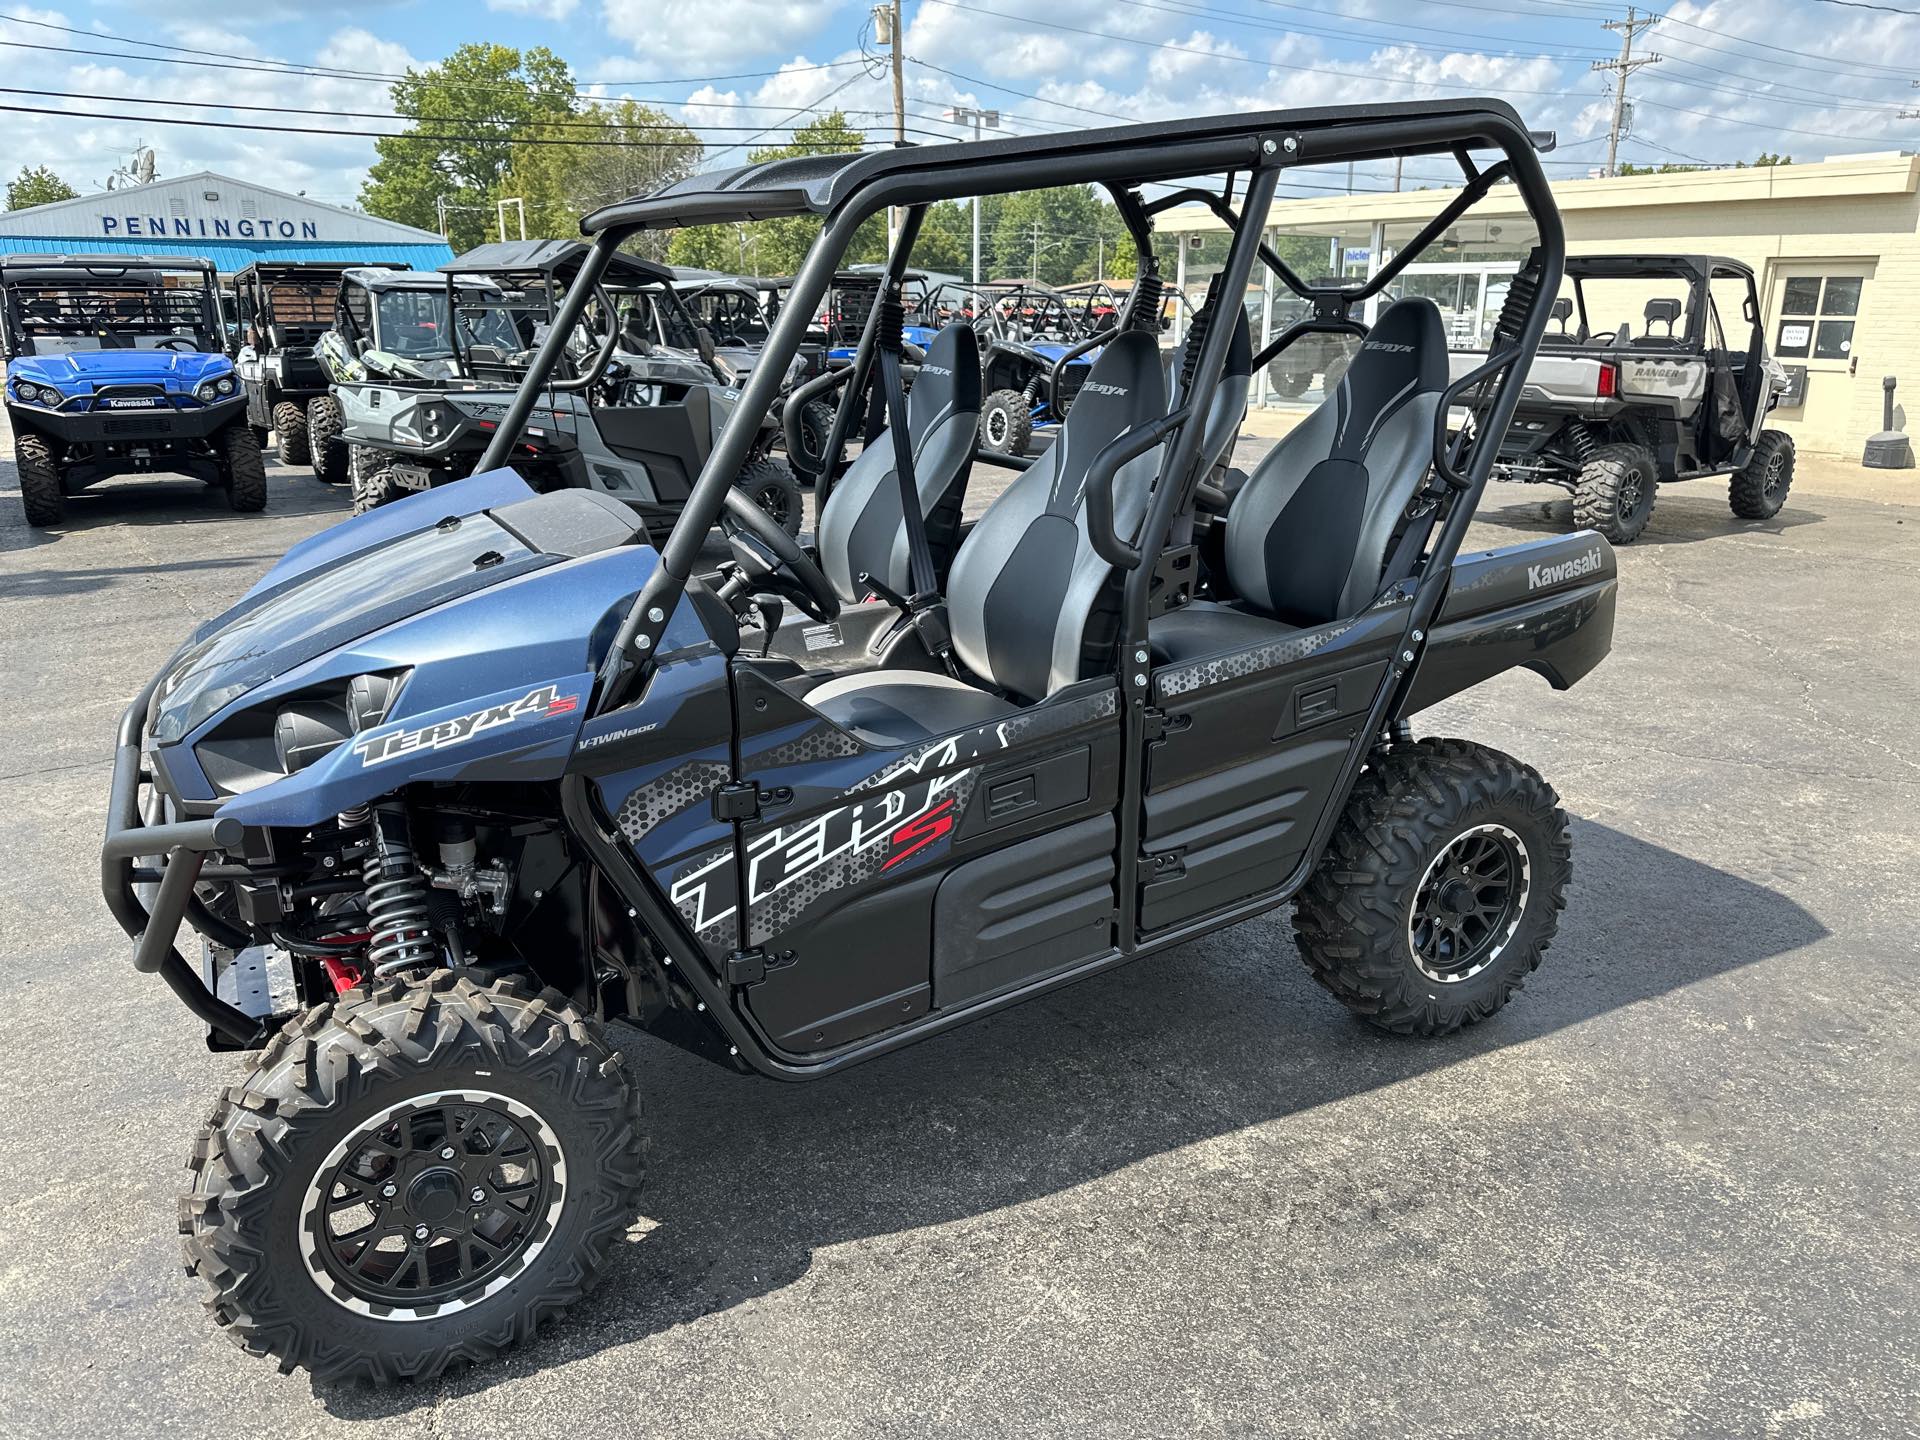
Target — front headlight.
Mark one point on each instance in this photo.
(306, 730)
(225, 387)
(207, 393)
(28, 393)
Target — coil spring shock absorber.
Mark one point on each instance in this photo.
(1148, 298)
(396, 897)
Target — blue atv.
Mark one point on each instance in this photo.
(1035, 355)
(117, 368)
(468, 781)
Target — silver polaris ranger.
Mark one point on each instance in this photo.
(632, 409)
(1636, 385)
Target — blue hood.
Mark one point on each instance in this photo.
(86, 370)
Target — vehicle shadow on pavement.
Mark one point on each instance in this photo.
(1679, 517)
(143, 500)
(748, 1178)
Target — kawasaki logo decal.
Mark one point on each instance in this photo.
(539, 704)
(1540, 576)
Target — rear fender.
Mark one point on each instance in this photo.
(1545, 606)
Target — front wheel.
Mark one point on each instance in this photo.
(327, 450)
(1440, 890)
(816, 429)
(1614, 493)
(418, 1175)
(1006, 423)
(42, 495)
(1759, 488)
(243, 467)
(290, 424)
(771, 486)
(370, 477)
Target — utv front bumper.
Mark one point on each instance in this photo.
(172, 857)
(102, 425)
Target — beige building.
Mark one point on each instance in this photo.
(1834, 244)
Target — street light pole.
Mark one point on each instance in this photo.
(979, 119)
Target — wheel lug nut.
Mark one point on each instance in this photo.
(478, 1195)
(419, 1232)
(389, 1190)
(447, 1153)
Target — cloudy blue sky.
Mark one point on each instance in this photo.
(1737, 76)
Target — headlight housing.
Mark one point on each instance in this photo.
(225, 386)
(207, 393)
(28, 393)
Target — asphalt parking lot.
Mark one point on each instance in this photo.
(1671, 1190)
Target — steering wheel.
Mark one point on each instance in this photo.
(176, 342)
(770, 559)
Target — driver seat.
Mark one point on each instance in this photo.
(1033, 608)
(862, 530)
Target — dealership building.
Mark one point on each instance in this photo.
(231, 222)
(1834, 245)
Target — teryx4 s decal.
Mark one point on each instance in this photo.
(541, 703)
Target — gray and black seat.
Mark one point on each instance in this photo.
(1308, 536)
(862, 529)
(1031, 605)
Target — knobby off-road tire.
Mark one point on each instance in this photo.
(771, 486)
(41, 494)
(1006, 423)
(327, 452)
(261, 433)
(244, 468)
(816, 428)
(1614, 494)
(1369, 924)
(1759, 489)
(290, 425)
(370, 478)
(493, 1074)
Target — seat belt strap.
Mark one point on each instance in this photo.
(919, 550)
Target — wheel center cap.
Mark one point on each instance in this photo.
(1455, 900)
(434, 1195)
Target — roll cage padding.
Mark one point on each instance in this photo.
(1308, 534)
(1032, 606)
(862, 528)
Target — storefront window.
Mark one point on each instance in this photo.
(1817, 317)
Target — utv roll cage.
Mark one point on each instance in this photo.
(540, 273)
(289, 303)
(1696, 270)
(108, 299)
(1251, 151)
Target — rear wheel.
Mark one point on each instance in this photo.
(290, 424)
(370, 477)
(244, 467)
(327, 451)
(42, 495)
(1614, 493)
(1006, 423)
(414, 1176)
(1759, 489)
(771, 486)
(1440, 890)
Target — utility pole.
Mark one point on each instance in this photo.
(886, 30)
(980, 120)
(1035, 272)
(1621, 69)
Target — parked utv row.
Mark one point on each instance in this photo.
(467, 780)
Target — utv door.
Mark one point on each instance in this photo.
(1251, 742)
(885, 882)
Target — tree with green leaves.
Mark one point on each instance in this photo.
(37, 185)
(559, 183)
(463, 117)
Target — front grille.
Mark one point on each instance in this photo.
(130, 392)
(137, 426)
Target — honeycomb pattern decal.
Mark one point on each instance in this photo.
(681, 788)
(822, 742)
(1204, 674)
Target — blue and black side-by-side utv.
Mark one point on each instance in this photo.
(465, 786)
(120, 367)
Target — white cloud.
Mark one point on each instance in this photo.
(669, 35)
(544, 9)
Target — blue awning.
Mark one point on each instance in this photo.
(232, 255)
